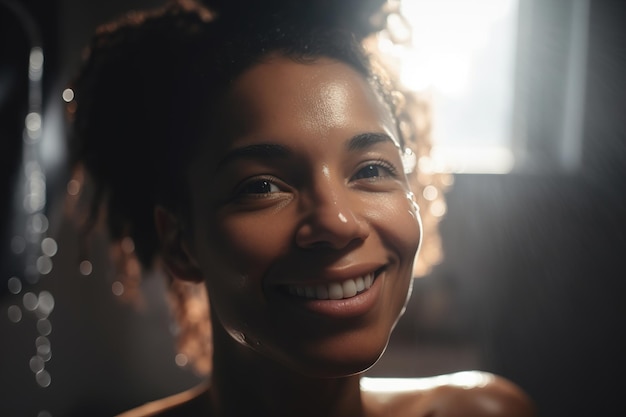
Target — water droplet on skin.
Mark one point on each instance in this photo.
(238, 336)
(409, 161)
(342, 218)
(411, 197)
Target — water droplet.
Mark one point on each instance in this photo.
(430, 193)
(85, 268)
(238, 336)
(73, 187)
(46, 302)
(33, 121)
(438, 208)
(44, 327)
(15, 285)
(38, 223)
(45, 352)
(36, 364)
(41, 341)
(49, 246)
(181, 359)
(68, 95)
(117, 288)
(15, 313)
(43, 378)
(30, 301)
(44, 265)
(36, 59)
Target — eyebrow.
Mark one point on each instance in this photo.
(262, 150)
(275, 151)
(365, 140)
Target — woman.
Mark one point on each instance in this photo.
(266, 158)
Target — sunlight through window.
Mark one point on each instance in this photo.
(462, 56)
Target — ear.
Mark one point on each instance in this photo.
(175, 252)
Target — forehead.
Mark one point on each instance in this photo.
(283, 98)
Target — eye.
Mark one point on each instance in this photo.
(261, 186)
(375, 170)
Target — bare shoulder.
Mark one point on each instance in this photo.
(192, 402)
(462, 394)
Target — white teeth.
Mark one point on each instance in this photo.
(360, 284)
(335, 290)
(349, 288)
(368, 280)
(321, 292)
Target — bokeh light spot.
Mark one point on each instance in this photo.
(85, 268)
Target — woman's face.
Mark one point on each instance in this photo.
(301, 222)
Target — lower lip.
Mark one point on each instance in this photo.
(355, 306)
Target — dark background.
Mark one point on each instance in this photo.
(532, 287)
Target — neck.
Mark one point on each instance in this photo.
(244, 383)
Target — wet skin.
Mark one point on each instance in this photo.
(305, 187)
(303, 231)
(302, 187)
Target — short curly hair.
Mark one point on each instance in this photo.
(149, 78)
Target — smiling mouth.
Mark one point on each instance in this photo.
(334, 290)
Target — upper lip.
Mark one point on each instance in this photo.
(325, 276)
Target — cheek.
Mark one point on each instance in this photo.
(235, 252)
(399, 224)
(249, 244)
(407, 231)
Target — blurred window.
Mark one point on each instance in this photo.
(506, 79)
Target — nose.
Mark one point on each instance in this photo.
(331, 217)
